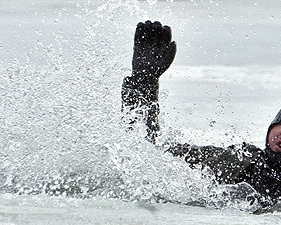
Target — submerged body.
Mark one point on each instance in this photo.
(153, 54)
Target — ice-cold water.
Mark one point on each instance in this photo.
(65, 155)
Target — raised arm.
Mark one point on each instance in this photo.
(153, 54)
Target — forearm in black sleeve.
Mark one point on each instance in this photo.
(140, 102)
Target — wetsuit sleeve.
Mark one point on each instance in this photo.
(194, 155)
(235, 164)
(140, 102)
(230, 165)
(153, 54)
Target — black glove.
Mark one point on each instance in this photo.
(153, 50)
(153, 54)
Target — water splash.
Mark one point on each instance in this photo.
(61, 106)
(151, 2)
(61, 132)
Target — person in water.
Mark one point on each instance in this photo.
(154, 52)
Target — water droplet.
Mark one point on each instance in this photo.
(151, 2)
(212, 123)
(39, 32)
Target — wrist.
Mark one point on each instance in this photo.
(146, 87)
(144, 77)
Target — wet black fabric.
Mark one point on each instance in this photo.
(236, 164)
(266, 178)
(153, 54)
(230, 165)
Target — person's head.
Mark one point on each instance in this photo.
(273, 137)
(273, 143)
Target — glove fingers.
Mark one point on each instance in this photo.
(139, 33)
(149, 34)
(168, 57)
(167, 35)
(170, 54)
(156, 34)
(153, 49)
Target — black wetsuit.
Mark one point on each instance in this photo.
(247, 163)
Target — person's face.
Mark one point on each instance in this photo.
(274, 138)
